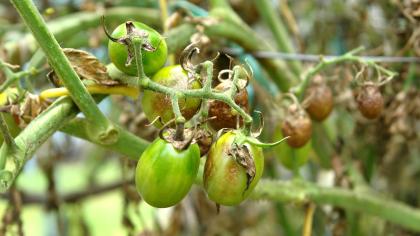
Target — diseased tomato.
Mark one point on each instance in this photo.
(297, 126)
(370, 101)
(320, 99)
(153, 60)
(164, 175)
(225, 116)
(232, 169)
(159, 104)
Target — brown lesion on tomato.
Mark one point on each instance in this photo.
(243, 158)
(227, 117)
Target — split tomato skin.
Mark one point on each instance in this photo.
(159, 104)
(164, 175)
(152, 61)
(225, 181)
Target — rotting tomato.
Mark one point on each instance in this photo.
(226, 116)
(164, 175)
(320, 99)
(297, 126)
(154, 51)
(159, 104)
(370, 101)
(232, 169)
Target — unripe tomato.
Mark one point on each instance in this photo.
(320, 100)
(225, 180)
(164, 175)
(370, 101)
(225, 116)
(152, 60)
(297, 126)
(159, 104)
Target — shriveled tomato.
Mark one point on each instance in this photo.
(297, 126)
(159, 104)
(164, 175)
(233, 168)
(320, 99)
(153, 58)
(370, 101)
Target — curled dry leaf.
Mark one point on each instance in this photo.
(25, 111)
(87, 66)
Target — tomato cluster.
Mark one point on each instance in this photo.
(169, 166)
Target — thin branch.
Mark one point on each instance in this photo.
(298, 191)
(318, 58)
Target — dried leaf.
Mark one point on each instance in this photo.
(87, 66)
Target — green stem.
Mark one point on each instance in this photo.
(347, 57)
(283, 41)
(66, 27)
(31, 138)
(8, 138)
(299, 191)
(127, 144)
(102, 129)
(228, 25)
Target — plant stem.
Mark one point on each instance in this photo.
(29, 140)
(284, 42)
(102, 130)
(67, 26)
(228, 25)
(347, 57)
(127, 144)
(300, 191)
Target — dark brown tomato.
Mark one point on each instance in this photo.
(321, 100)
(298, 126)
(370, 101)
(225, 116)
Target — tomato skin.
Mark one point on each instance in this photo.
(225, 116)
(158, 104)
(225, 180)
(152, 61)
(165, 175)
(321, 101)
(370, 101)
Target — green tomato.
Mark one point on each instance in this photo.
(225, 180)
(152, 61)
(158, 104)
(292, 158)
(165, 175)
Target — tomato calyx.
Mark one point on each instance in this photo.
(126, 40)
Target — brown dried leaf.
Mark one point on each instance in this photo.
(87, 66)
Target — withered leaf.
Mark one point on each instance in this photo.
(87, 66)
(26, 110)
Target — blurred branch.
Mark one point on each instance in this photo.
(227, 24)
(298, 191)
(29, 198)
(347, 57)
(127, 144)
(284, 42)
(67, 26)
